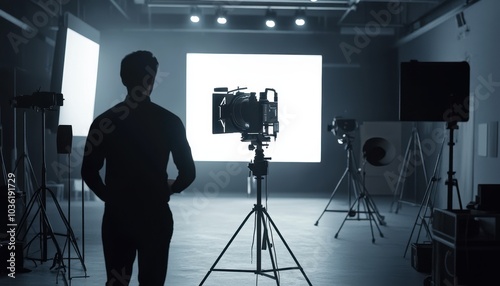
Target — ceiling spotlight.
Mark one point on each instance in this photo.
(221, 17)
(195, 15)
(300, 18)
(271, 19)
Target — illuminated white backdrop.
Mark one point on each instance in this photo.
(79, 81)
(296, 79)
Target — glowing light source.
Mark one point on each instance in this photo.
(300, 18)
(195, 15)
(271, 19)
(221, 17)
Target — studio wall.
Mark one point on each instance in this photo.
(471, 43)
(364, 89)
(360, 83)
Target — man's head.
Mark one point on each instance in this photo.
(138, 71)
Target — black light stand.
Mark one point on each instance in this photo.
(423, 217)
(64, 146)
(28, 173)
(417, 150)
(451, 181)
(46, 230)
(354, 179)
(259, 169)
(349, 170)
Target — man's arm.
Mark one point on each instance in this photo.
(183, 160)
(93, 160)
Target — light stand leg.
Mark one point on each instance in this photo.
(359, 184)
(350, 162)
(400, 186)
(288, 248)
(426, 203)
(451, 181)
(226, 247)
(368, 210)
(331, 197)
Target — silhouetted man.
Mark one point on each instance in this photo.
(135, 138)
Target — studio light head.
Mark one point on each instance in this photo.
(38, 100)
(342, 127)
(237, 111)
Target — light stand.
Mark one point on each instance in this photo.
(64, 146)
(347, 172)
(259, 169)
(352, 173)
(424, 219)
(46, 230)
(417, 150)
(451, 181)
(28, 174)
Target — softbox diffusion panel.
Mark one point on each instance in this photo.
(434, 91)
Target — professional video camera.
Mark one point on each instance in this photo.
(39, 99)
(236, 111)
(342, 127)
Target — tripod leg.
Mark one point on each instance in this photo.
(70, 232)
(29, 207)
(346, 216)
(227, 246)
(397, 193)
(331, 196)
(371, 203)
(455, 183)
(45, 218)
(426, 200)
(372, 217)
(287, 247)
(267, 243)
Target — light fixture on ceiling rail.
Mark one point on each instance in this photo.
(195, 15)
(270, 18)
(300, 17)
(221, 16)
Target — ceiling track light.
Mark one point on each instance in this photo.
(270, 18)
(195, 15)
(221, 16)
(300, 17)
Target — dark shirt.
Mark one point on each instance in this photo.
(135, 139)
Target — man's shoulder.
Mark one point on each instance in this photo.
(164, 112)
(113, 111)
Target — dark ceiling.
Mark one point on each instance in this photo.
(322, 15)
(400, 18)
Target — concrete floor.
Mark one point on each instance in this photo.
(204, 223)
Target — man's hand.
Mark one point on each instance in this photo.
(170, 182)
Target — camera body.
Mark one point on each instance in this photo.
(39, 99)
(237, 111)
(341, 126)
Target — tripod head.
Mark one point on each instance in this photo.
(260, 163)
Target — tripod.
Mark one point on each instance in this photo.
(423, 219)
(451, 181)
(28, 174)
(362, 195)
(46, 230)
(417, 149)
(259, 169)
